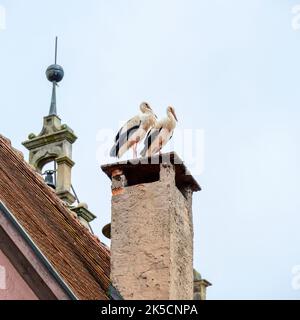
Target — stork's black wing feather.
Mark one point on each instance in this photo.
(151, 136)
(123, 138)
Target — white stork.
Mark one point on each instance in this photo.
(160, 134)
(133, 132)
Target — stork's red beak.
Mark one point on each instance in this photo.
(174, 114)
(151, 110)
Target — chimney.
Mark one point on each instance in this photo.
(152, 228)
(200, 286)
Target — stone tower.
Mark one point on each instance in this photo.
(152, 228)
(54, 144)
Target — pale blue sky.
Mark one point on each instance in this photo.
(230, 68)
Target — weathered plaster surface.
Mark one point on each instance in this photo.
(14, 288)
(152, 241)
(30, 266)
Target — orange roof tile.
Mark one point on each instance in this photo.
(78, 256)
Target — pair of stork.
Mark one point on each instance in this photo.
(146, 124)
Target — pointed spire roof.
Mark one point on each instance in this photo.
(55, 74)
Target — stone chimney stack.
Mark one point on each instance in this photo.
(152, 228)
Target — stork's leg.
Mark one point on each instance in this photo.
(160, 146)
(134, 150)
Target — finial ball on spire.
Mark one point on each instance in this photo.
(55, 73)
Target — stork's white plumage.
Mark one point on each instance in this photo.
(133, 131)
(159, 136)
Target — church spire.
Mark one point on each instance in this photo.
(55, 74)
(54, 145)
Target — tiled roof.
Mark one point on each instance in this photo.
(79, 257)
